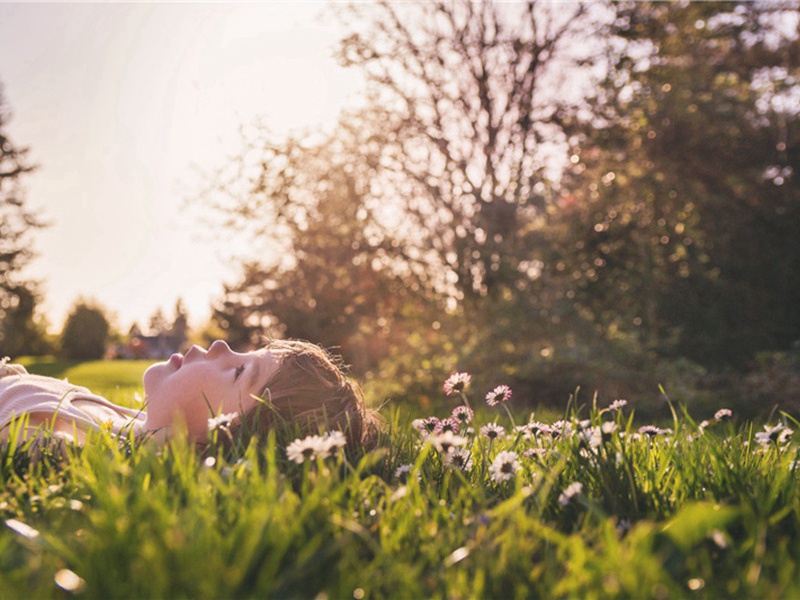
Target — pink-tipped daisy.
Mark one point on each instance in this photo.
(501, 393)
(723, 413)
(456, 383)
(534, 452)
(458, 458)
(617, 405)
(493, 431)
(444, 442)
(448, 424)
(463, 414)
(426, 425)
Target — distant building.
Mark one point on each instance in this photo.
(150, 347)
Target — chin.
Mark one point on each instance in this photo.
(154, 373)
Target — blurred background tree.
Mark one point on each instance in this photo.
(86, 332)
(683, 210)
(599, 195)
(21, 332)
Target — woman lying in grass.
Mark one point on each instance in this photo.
(286, 382)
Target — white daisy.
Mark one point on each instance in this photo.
(222, 420)
(308, 448)
(504, 467)
(443, 442)
(458, 458)
(572, 490)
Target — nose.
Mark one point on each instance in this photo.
(218, 348)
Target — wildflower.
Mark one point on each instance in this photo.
(443, 442)
(463, 414)
(69, 581)
(493, 431)
(723, 413)
(448, 424)
(562, 429)
(572, 490)
(456, 383)
(591, 436)
(332, 442)
(524, 431)
(652, 430)
(222, 420)
(535, 428)
(534, 452)
(623, 525)
(607, 428)
(779, 434)
(308, 448)
(502, 393)
(402, 472)
(504, 467)
(617, 405)
(426, 425)
(458, 458)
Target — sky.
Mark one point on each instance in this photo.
(125, 107)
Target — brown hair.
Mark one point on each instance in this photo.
(310, 390)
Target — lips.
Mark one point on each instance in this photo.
(176, 360)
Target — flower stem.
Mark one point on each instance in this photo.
(508, 412)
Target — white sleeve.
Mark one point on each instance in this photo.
(11, 369)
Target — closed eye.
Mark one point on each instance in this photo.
(239, 371)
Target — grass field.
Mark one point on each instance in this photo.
(590, 506)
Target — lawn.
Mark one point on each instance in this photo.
(590, 505)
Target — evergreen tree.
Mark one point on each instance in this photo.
(20, 333)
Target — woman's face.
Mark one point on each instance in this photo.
(204, 384)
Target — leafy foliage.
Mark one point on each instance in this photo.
(85, 332)
(20, 333)
(681, 201)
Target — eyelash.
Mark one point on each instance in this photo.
(239, 371)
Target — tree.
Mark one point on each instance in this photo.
(331, 281)
(19, 331)
(684, 211)
(85, 332)
(179, 330)
(461, 93)
(158, 323)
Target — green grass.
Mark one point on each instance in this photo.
(681, 514)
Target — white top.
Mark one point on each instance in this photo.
(69, 411)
